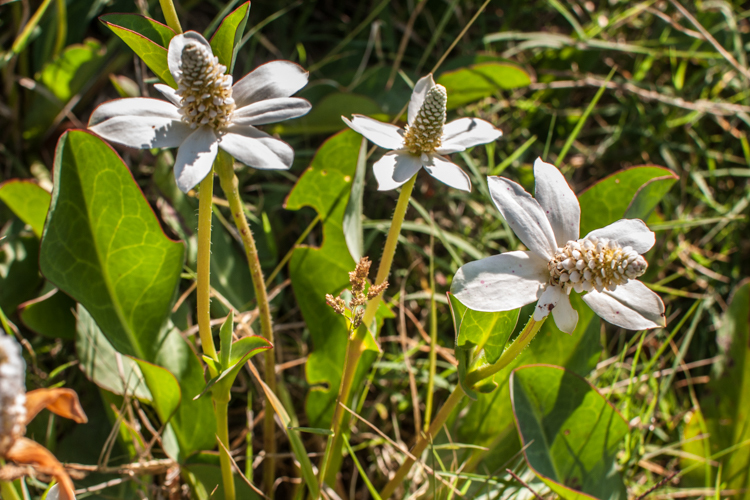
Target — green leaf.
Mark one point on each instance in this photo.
(28, 201)
(147, 38)
(482, 330)
(325, 116)
(241, 351)
(481, 80)
(225, 340)
(631, 193)
(19, 268)
(104, 247)
(99, 360)
(352, 224)
(325, 186)
(725, 406)
(570, 433)
(64, 77)
(50, 315)
(229, 34)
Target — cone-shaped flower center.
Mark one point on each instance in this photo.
(423, 136)
(594, 264)
(12, 394)
(205, 90)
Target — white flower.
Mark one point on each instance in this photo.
(206, 112)
(12, 393)
(604, 264)
(424, 140)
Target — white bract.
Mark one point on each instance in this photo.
(425, 139)
(604, 264)
(12, 393)
(207, 112)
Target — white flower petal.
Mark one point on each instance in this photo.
(421, 88)
(628, 233)
(257, 149)
(169, 93)
(524, 215)
(195, 158)
(447, 172)
(176, 46)
(395, 168)
(385, 135)
(566, 318)
(140, 123)
(547, 302)
(465, 133)
(558, 201)
(632, 305)
(271, 111)
(501, 282)
(271, 80)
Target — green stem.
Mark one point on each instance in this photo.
(230, 185)
(221, 405)
(8, 491)
(203, 287)
(433, 339)
(355, 344)
(170, 15)
(511, 353)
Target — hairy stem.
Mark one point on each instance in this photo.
(221, 404)
(230, 185)
(203, 290)
(170, 15)
(511, 353)
(355, 344)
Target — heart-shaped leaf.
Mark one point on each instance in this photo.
(570, 433)
(228, 35)
(149, 39)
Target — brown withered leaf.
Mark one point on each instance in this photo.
(60, 401)
(27, 452)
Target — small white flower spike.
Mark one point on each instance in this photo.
(206, 112)
(604, 264)
(12, 393)
(425, 139)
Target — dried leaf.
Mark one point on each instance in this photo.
(27, 452)
(60, 401)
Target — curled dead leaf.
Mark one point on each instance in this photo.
(27, 452)
(60, 401)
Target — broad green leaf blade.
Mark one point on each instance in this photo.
(99, 360)
(245, 346)
(104, 247)
(70, 73)
(19, 266)
(482, 330)
(229, 34)
(481, 80)
(726, 405)
(27, 201)
(147, 38)
(612, 198)
(325, 186)
(50, 315)
(570, 433)
(352, 224)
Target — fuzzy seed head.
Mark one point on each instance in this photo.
(12, 393)
(424, 135)
(205, 90)
(594, 264)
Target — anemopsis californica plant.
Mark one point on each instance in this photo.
(207, 112)
(604, 263)
(425, 139)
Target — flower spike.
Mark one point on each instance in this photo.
(604, 265)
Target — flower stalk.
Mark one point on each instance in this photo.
(221, 407)
(203, 290)
(170, 15)
(356, 341)
(473, 378)
(230, 186)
